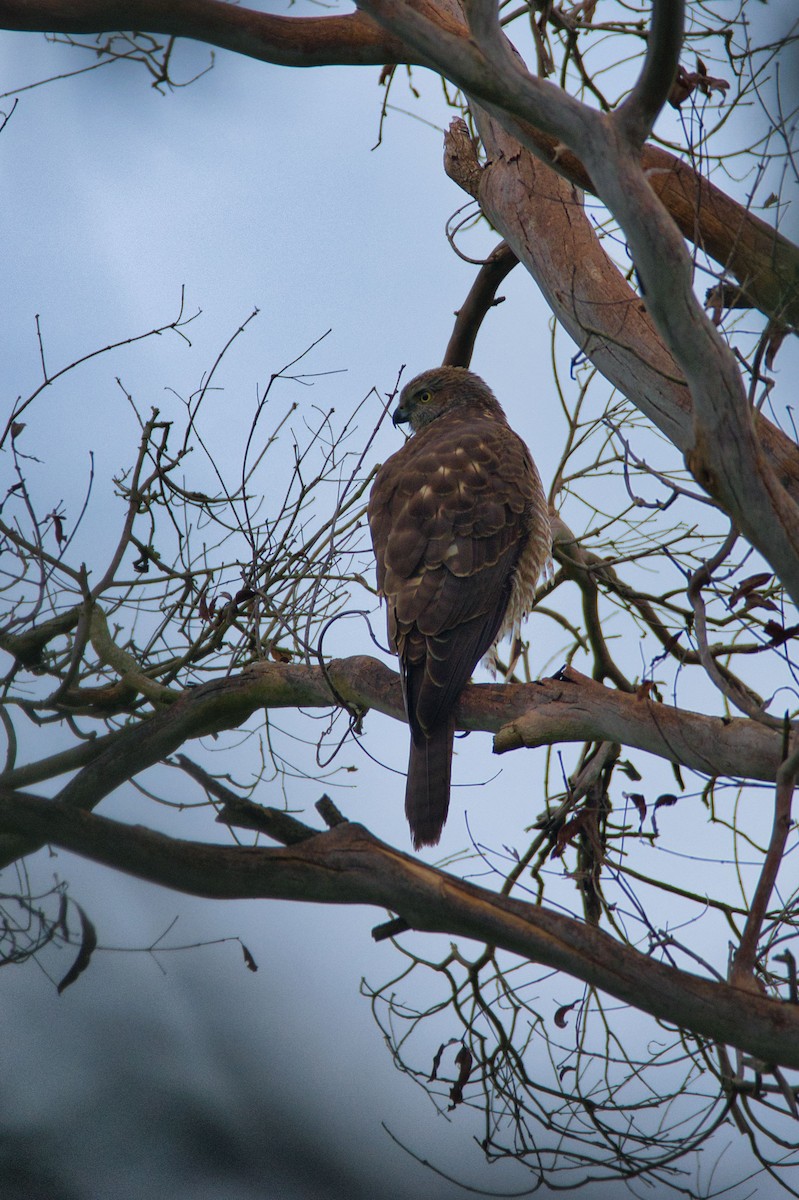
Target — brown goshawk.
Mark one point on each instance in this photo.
(461, 531)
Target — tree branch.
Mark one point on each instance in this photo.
(542, 218)
(723, 453)
(765, 264)
(354, 39)
(569, 707)
(745, 960)
(636, 115)
(481, 298)
(714, 746)
(349, 866)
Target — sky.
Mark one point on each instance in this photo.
(256, 187)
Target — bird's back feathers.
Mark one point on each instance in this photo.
(460, 529)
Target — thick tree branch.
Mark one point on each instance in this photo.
(570, 707)
(351, 40)
(722, 452)
(765, 264)
(613, 328)
(349, 866)
(542, 218)
(711, 745)
(724, 455)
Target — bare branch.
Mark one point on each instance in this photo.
(569, 707)
(481, 298)
(712, 745)
(636, 115)
(745, 959)
(347, 865)
(288, 41)
(542, 218)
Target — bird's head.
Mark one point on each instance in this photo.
(438, 391)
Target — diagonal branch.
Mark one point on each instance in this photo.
(745, 960)
(572, 707)
(765, 264)
(482, 296)
(542, 218)
(724, 455)
(636, 115)
(348, 865)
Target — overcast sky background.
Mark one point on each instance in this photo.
(255, 187)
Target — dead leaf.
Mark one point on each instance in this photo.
(88, 945)
(567, 833)
(58, 528)
(464, 1061)
(629, 769)
(561, 1014)
(778, 634)
(748, 585)
(639, 801)
(775, 341)
(687, 81)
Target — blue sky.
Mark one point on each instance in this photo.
(255, 187)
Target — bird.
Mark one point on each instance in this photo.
(461, 531)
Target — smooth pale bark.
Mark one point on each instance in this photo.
(541, 216)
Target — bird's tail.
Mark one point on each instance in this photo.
(427, 790)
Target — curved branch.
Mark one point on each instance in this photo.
(347, 865)
(711, 745)
(744, 961)
(765, 264)
(636, 115)
(723, 453)
(351, 40)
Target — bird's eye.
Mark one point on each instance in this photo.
(425, 397)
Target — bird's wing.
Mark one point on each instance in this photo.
(449, 514)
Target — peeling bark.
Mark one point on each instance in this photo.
(541, 216)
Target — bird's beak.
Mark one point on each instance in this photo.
(400, 416)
